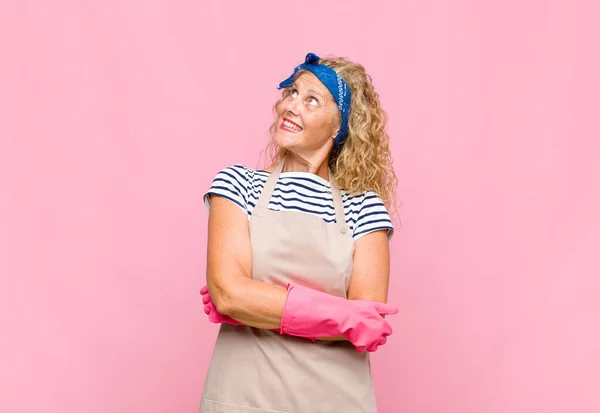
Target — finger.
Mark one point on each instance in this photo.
(204, 290)
(207, 309)
(385, 309)
(387, 329)
(380, 343)
(206, 299)
(361, 349)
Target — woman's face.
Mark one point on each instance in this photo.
(307, 118)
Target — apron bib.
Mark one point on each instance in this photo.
(260, 371)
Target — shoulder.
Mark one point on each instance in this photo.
(233, 173)
(369, 214)
(232, 183)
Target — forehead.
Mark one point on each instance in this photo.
(307, 80)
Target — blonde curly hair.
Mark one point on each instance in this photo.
(364, 162)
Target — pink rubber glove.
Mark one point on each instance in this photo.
(213, 315)
(312, 314)
(359, 321)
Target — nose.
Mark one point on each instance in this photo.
(291, 105)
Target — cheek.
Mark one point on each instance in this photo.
(328, 122)
(317, 128)
(279, 108)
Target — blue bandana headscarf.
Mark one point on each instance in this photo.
(334, 83)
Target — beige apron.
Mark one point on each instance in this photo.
(254, 370)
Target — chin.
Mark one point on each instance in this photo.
(286, 140)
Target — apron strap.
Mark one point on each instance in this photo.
(265, 195)
(338, 204)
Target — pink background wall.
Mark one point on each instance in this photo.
(115, 116)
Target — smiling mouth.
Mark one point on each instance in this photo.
(290, 126)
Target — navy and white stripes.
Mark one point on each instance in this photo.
(303, 192)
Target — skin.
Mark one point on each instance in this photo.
(310, 105)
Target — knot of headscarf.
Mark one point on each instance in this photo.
(334, 83)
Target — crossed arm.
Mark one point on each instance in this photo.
(258, 304)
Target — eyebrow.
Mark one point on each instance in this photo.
(316, 92)
(319, 94)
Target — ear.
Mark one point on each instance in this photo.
(338, 123)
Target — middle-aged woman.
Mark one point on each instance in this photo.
(298, 253)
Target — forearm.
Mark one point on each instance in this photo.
(255, 303)
(336, 338)
(251, 302)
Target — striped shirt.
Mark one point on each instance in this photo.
(303, 192)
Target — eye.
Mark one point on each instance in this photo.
(313, 101)
(293, 92)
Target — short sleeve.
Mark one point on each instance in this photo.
(230, 183)
(372, 216)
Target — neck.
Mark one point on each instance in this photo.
(295, 163)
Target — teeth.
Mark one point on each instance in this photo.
(291, 126)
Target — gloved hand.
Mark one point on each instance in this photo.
(213, 315)
(312, 314)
